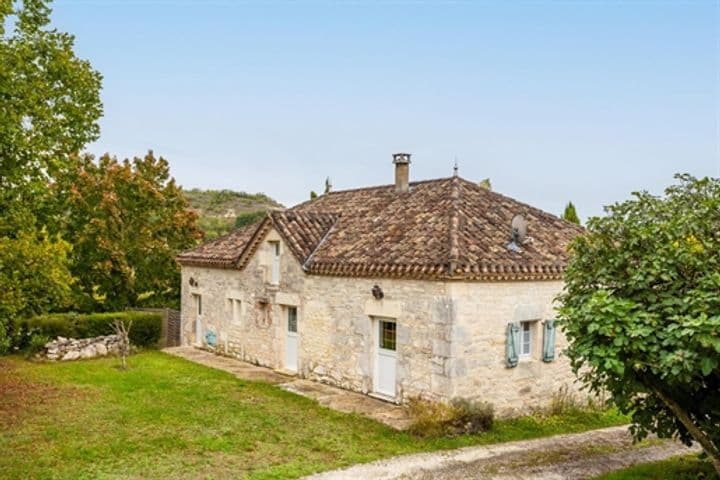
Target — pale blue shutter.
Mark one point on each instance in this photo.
(512, 345)
(548, 340)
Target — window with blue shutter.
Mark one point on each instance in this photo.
(548, 340)
(512, 349)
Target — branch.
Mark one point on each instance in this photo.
(700, 436)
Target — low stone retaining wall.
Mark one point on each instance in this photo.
(73, 349)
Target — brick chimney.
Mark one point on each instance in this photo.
(402, 171)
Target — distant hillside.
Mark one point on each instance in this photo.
(221, 210)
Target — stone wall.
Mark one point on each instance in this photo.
(338, 347)
(335, 323)
(450, 335)
(478, 348)
(73, 349)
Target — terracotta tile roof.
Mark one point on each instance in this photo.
(303, 231)
(223, 252)
(440, 229)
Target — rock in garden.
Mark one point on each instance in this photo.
(71, 355)
(88, 352)
(101, 349)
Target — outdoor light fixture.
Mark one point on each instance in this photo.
(377, 292)
(193, 282)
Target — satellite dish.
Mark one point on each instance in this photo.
(518, 233)
(519, 229)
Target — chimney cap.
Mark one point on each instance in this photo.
(401, 158)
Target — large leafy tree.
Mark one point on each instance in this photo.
(49, 108)
(126, 221)
(641, 309)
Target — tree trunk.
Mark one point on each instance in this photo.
(706, 443)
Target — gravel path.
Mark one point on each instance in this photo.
(575, 456)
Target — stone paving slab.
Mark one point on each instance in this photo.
(335, 398)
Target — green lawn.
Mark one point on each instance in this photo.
(679, 468)
(167, 417)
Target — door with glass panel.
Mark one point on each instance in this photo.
(385, 356)
(291, 339)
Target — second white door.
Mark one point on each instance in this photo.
(291, 339)
(386, 357)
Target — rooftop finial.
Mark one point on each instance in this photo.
(455, 168)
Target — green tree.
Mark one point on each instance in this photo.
(641, 310)
(49, 108)
(485, 183)
(313, 195)
(126, 221)
(570, 214)
(34, 276)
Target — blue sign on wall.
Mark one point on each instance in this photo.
(211, 339)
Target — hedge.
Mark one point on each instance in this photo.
(145, 331)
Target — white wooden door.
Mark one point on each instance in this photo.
(385, 357)
(291, 339)
(199, 332)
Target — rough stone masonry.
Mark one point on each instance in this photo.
(73, 349)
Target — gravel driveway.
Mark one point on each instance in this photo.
(575, 456)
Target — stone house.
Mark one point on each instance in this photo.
(411, 289)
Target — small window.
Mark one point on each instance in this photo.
(275, 273)
(292, 319)
(525, 339)
(388, 335)
(235, 310)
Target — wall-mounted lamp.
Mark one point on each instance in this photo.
(193, 282)
(377, 292)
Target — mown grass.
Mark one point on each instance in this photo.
(678, 468)
(170, 418)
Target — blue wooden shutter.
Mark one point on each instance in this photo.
(512, 345)
(548, 340)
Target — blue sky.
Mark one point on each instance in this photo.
(553, 100)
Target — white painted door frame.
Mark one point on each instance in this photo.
(384, 358)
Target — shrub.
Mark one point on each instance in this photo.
(145, 332)
(459, 416)
(562, 401)
(471, 416)
(37, 343)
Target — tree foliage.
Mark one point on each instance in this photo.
(485, 183)
(641, 309)
(127, 221)
(49, 108)
(570, 214)
(34, 276)
(249, 218)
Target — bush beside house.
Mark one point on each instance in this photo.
(145, 332)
